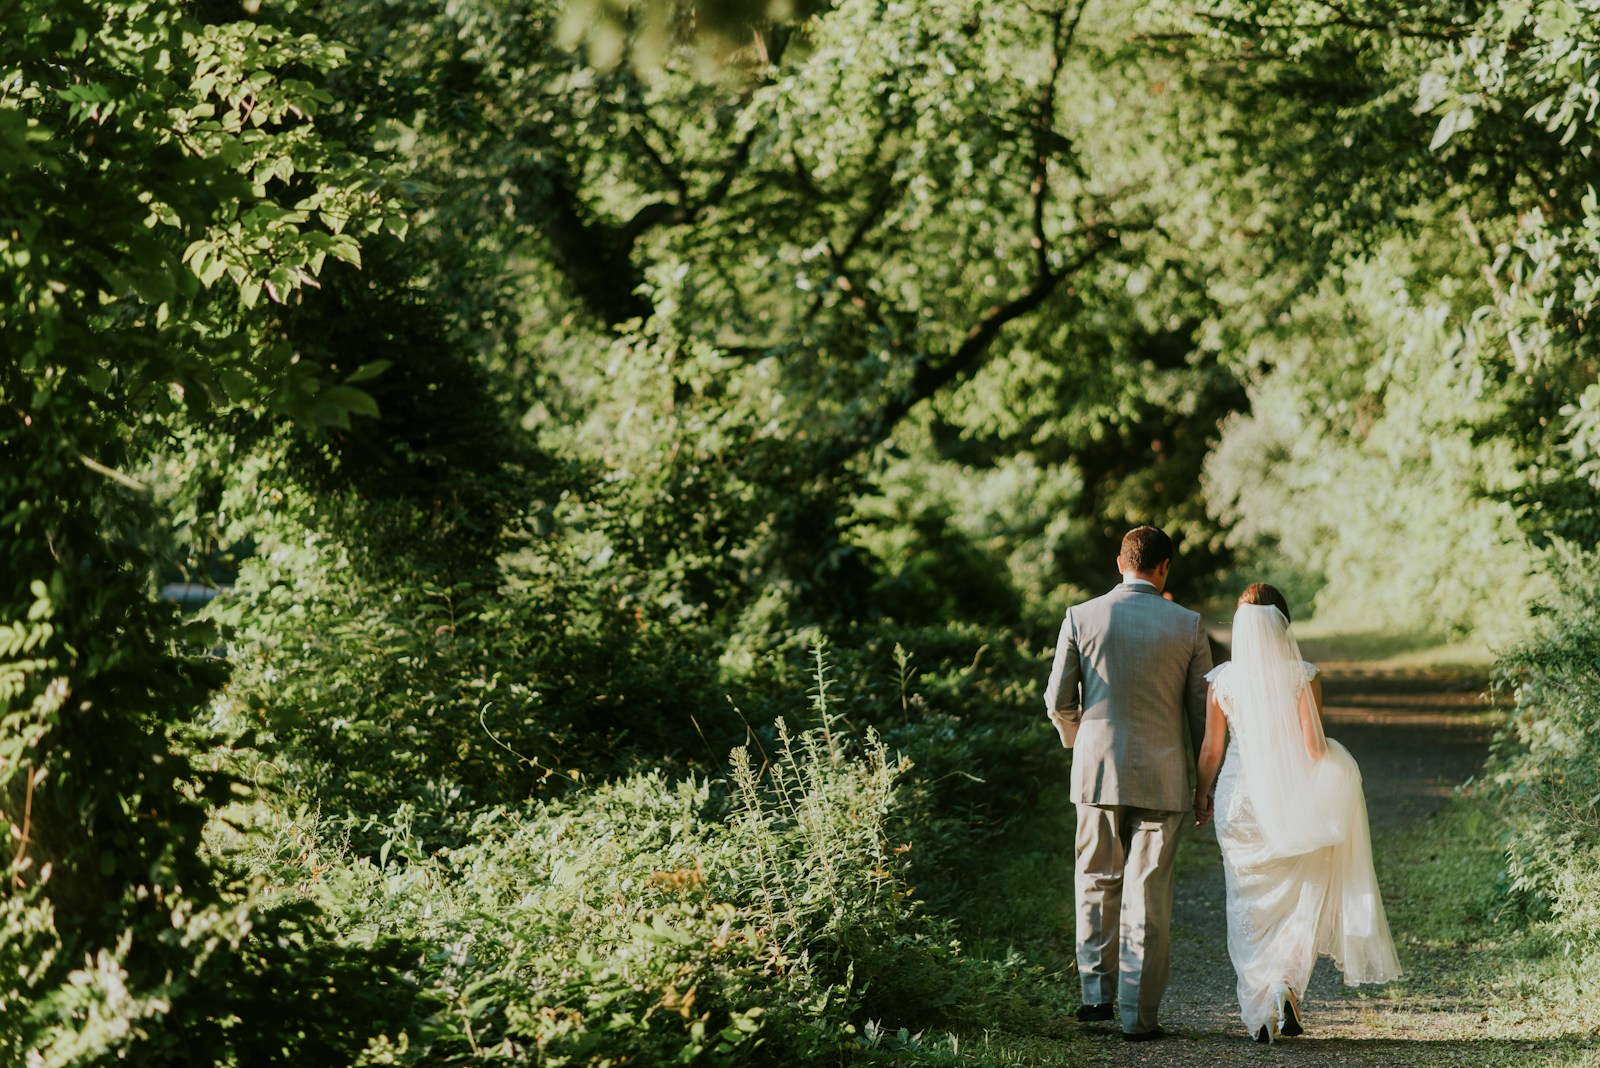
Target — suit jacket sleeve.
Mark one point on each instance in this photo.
(1061, 697)
(1194, 697)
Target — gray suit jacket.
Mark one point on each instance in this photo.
(1129, 677)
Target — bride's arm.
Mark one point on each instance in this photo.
(1311, 719)
(1209, 758)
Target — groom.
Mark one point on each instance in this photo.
(1129, 677)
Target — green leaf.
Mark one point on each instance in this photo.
(1453, 122)
(238, 387)
(350, 400)
(1557, 20)
(368, 371)
(345, 247)
(213, 270)
(249, 291)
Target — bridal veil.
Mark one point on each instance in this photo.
(1305, 795)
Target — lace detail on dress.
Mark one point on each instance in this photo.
(1218, 678)
(1221, 678)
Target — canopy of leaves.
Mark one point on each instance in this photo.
(535, 381)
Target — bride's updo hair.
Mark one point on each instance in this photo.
(1261, 593)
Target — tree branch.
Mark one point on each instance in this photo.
(592, 249)
(740, 157)
(645, 219)
(932, 378)
(839, 258)
(1448, 31)
(734, 167)
(668, 171)
(1061, 33)
(689, 206)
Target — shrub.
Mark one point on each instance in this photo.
(1546, 762)
(652, 919)
(374, 676)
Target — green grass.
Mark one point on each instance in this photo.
(1490, 979)
(1388, 651)
(990, 1049)
(1380, 649)
(1011, 894)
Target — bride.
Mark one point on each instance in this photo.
(1292, 824)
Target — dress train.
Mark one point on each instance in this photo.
(1285, 911)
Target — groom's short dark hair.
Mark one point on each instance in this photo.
(1145, 549)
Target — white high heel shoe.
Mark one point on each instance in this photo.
(1288, 1006)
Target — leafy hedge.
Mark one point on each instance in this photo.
(1546, 763)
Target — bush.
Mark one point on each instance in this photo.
(373, 675)
(652, 919)
(1546, 762)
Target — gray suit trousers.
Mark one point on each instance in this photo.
(1124, 876)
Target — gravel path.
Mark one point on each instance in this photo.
(1416, 735)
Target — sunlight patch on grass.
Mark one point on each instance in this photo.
(1378, 648)
(1387, 651)
(1527, 998)
(1381, 650)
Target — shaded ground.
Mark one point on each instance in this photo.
(1417, 735)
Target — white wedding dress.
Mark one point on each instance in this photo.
(1292, 824)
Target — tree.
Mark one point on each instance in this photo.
(1458, 128)
(161, 178)
(788, 265)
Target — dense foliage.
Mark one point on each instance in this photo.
(1544, 768)
(197, 183)
(1437, 166)
(562, 396)
(1423, 365)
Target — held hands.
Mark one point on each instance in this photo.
(1202, 808)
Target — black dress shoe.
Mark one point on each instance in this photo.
(1093, 1013)
(1264, 1036)
(1143, 1036)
